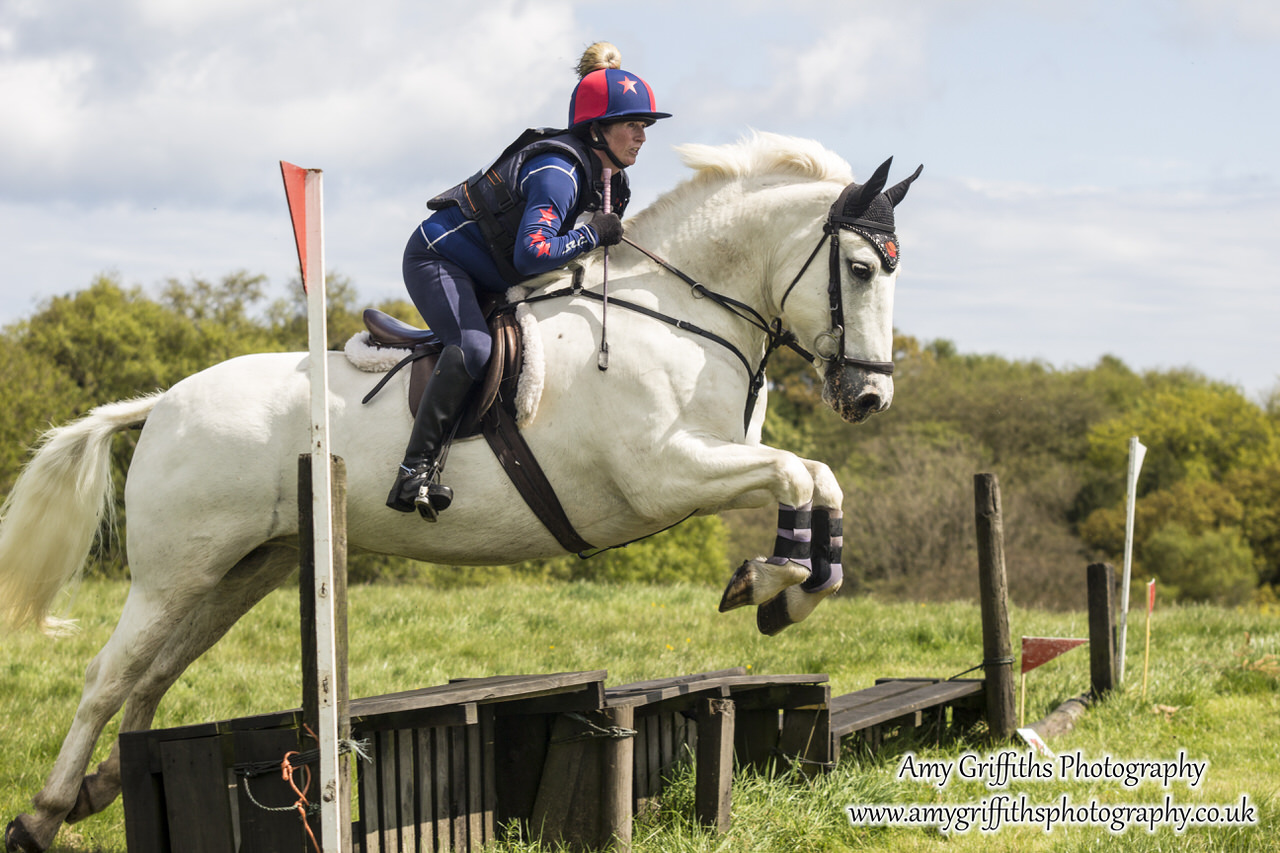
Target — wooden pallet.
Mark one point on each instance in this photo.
(595, 785)
(895, 702)
(444, 772)
(711, 717)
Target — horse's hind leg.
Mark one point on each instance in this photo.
(146, 624)
(235, 595)
(158, 606)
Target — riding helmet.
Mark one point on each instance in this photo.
(611, 94)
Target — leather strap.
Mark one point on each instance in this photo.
(517, 459)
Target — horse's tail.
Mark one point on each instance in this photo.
(49, 520)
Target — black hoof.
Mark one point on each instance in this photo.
(772, 616)
(18, 840)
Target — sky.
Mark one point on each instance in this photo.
(1100, 177)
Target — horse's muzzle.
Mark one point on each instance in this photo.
(856, 393)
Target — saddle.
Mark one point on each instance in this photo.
(500, 382)
(491, 412)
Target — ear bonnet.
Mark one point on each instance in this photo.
(865, 210)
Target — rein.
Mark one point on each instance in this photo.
(777, 336)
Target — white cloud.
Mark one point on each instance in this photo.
(199, 94)
(143, 135)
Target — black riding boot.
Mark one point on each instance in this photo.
(417, 481)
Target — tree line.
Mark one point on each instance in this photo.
(1207, 518)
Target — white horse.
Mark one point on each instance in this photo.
(211, 490)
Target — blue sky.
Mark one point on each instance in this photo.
(1099, 177)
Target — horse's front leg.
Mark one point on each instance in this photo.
(805, 565)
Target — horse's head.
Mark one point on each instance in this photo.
(854, 336)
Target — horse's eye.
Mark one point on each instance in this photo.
(861, 271)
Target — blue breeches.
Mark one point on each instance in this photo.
(445, 296)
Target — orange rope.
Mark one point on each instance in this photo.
(286, 772)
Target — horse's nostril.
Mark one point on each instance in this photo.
(869, 404)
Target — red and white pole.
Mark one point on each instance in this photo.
(303, 188)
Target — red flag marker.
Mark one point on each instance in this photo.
(295, 191)
(1041, 650)
(1037, 651)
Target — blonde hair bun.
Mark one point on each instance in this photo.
(597, 57)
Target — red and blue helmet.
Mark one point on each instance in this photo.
(611, 94)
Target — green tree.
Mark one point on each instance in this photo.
(1215, 565)
(221, 314)
(1192, 429)
(36, 397)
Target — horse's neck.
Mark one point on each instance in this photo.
(734, 237)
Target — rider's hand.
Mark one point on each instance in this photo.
(608, 228)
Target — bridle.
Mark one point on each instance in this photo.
(833, 352)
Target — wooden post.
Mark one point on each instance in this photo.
(713, 785)
(618, 769)
(307, 605)
(993, 591)
(1101, 578)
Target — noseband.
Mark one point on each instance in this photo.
(830, 344)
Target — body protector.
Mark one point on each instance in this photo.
(492, 197)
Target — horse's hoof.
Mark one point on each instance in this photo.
(772, 616)
(792, 606)
(738, 591)
(18, 840)
(758, 581)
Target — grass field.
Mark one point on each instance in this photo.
(1214, 691)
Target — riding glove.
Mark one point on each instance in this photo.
(608, 228)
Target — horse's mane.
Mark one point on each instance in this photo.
(763, 154)
(759, 155)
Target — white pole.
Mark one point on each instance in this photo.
(1136, 453)
(332, 831)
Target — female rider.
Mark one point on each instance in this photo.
(516, 219)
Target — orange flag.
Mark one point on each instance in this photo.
(295, 191)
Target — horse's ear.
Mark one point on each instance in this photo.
(899, 190)
(876, 182)
(856, 198)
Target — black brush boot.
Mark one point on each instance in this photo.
(417, 482)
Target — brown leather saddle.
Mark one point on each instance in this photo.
(500, 381)
(496, 422)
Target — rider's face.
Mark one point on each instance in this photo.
(624, 139)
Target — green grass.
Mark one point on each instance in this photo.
(1208, 693)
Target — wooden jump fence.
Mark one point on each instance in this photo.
(559, 756)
